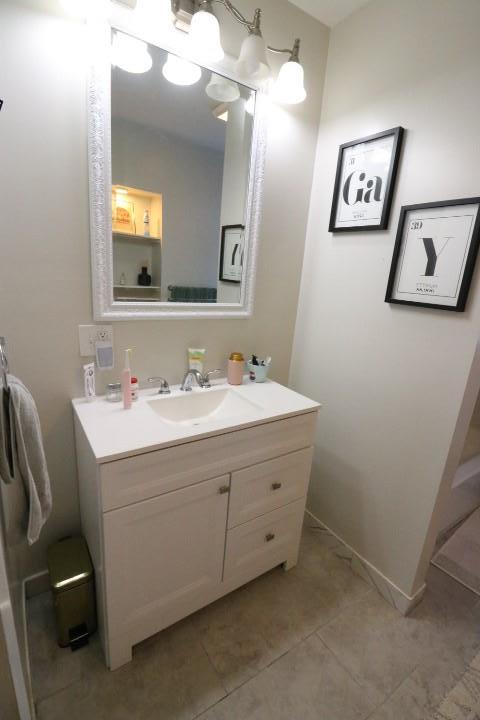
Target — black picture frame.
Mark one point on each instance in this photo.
(468, 258)
(398, 135)
(224, 275)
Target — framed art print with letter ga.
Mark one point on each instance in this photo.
(364, 182)
(231, 253)
(435, 253)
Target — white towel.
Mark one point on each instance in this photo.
(29, 463)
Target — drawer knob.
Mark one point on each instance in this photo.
(269, 537)
(224, 490)
(276, 486)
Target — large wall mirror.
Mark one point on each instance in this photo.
(175, 198)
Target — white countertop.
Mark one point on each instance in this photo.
(115, 433)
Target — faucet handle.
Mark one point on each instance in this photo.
(164, 386)
(206, 378)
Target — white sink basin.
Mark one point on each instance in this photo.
(198, 408)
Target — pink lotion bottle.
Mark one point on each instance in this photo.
(127, 382)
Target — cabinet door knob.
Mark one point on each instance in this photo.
(224, 490)
(269, 537)
(276, 486)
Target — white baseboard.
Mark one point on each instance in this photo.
(387, 589)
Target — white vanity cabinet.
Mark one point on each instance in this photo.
(173, 529)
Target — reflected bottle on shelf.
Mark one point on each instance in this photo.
(144, 279)
(146, 223)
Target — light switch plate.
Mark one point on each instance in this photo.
(88, 335)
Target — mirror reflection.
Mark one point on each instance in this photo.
(180, 168)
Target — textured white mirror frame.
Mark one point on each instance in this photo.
(100, 183)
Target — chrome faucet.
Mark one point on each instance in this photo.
(186, 385)
(164, 386)
(203, 381)
(206, 378)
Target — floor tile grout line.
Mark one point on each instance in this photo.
(388, 695)
(277, 659)
(337, 659)
(259, 672)
(38, 700)
(391, 694)
(212, 664)
(368, 590)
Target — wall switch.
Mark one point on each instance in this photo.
(88, 335)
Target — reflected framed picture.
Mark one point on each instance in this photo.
(364, 182)
(123, 215)
(435, 253)
(231, 253)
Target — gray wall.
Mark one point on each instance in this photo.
(45, 256)
(392, 378)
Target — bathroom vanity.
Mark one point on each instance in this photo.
(188, 496)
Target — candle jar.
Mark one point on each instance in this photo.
(236, 365)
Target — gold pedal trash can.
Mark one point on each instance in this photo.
(73, 586)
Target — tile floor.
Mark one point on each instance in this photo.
(316, 643)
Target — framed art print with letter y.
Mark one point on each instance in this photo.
(364, 182)
(435, 253)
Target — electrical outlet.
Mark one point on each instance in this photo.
(88, 335)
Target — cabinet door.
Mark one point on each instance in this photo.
(164, 558)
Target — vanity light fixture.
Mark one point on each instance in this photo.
(204, 39)
(181, 72)
(252, 62)
(250, 104)
(130, 54)
(222, 89)
(289, 87)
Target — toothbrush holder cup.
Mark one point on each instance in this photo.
(258, 373)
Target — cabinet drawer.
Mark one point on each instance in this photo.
(124, 482)
(263, 543)
(269, 485)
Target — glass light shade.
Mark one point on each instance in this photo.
(252, 61)
(221, 89)
(130, 54)
(181, 72)
(250, 104)
(289, 87)
(204, 39)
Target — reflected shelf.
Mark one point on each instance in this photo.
(131, 237)
(137, 287)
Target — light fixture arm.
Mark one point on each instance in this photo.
(253, 26)
(294, 53)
